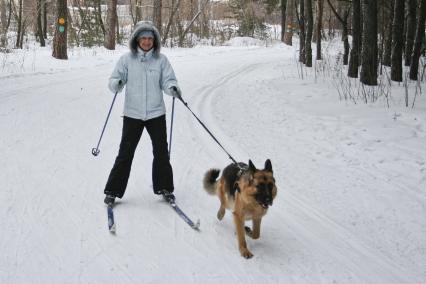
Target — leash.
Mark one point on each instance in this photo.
(211, 134)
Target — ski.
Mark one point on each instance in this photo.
(111, 223)
(172, 203)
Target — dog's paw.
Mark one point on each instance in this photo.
(246, 253)
(220, 214)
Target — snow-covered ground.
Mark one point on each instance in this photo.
(351, 202)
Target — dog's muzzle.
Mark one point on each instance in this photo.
(264, 195)
(266, 204)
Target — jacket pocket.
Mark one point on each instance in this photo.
(155, 95)
(154, 75)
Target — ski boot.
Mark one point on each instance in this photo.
(168, 196)
(109, 200)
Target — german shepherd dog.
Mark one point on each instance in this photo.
(245, 190)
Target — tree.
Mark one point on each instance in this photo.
(5, 21)
(39, 23)
(250, 21)
(309, 29)
(174, 9)
(283, 18)
(369, 43)
(111, 20)
(98, 13)
(420, 32)
(45, 19)
(301, 20)
(397, 41)
(184, 32)
(411, 30)
(158, 4)
(20, 25)
(318, 27)
(356, 39)
(387, 53)
(60, 38)
(135, 10)
(3, 13)
(288, 35)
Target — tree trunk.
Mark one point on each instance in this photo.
(369, 42)
(170, 21)
(3, 19)
(388, 37)
(138, 11)
(317, 34)
(356, 38)
(158, 4)
(45, 19)
(111, 21)
(397, 41)
(301, 19)
(420, 32)
(117, 29)
(39, 23)
(183, 34)
(60, 38)
(283, 18)
(345, 38)
(98, 12)
(19, 24)
(288, 34)
(309, 29)
(23, 29)
(411, 30)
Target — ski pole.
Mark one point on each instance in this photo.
(95, 151)
(171, 127)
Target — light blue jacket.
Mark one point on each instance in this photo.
(146, 75)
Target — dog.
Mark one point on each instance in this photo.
(245, 190)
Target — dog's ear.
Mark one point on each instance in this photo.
(252, 168)
(268, 166)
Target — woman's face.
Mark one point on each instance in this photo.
(146, 43)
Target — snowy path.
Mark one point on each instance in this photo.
(351, 200)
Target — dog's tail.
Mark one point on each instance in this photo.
(210, 181)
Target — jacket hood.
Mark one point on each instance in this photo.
(145, 26)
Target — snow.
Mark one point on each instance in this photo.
(351, 201)
(244, 41)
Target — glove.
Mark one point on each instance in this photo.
(176, 92)
(120, 86)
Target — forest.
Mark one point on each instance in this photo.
(375, 34)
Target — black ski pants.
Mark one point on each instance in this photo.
(162, 174)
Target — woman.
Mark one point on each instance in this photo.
(146, 73)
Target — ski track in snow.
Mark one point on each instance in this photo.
(344, 212)
(354, 256)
